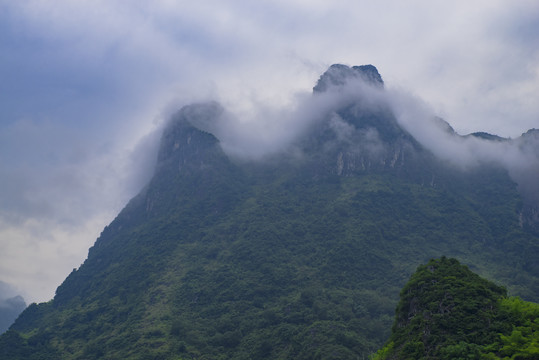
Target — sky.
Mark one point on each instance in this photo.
(86, 86)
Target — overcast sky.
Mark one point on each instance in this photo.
(86, 85)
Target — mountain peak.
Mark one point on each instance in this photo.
(338, 75)
(183, 138)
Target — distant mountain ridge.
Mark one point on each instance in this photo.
(10, 308)
(292, 256)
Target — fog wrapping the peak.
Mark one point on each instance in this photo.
(265, 130)
(518, 156)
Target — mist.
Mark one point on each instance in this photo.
(258, 130)
(253, 130)
(519, 157)
(7, 291)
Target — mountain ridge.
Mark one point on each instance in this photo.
(290, 257)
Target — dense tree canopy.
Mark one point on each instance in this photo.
(448, 312)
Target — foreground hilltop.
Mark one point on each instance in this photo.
(299, 255)
(448, 312)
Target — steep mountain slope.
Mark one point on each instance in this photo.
(300, 255)
(448, 312)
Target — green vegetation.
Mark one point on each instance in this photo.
(287, 258)
(448, 312)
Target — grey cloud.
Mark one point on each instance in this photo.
(264, 129)
(7, 291)
(520, 157)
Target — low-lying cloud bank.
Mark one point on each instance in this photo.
(520, 156)
(261, 130)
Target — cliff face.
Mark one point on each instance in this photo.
(184, 143)
(358, 137)
(289, 257)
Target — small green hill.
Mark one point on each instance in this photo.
(448, 312)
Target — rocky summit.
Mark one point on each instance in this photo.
(339, 75)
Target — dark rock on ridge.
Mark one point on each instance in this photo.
(338, 75)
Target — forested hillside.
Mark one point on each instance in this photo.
(448, 312)
(300, 255)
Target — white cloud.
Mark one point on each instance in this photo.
(38, 254)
